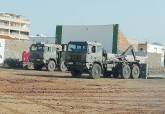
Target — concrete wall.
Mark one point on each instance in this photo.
(14, 48)
(100, 33)
(153, 48)
(154, 60)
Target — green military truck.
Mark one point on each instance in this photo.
(47, 55)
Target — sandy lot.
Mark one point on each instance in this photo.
(41, 92)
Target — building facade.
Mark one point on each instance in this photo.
(14, 26)
(154, 49)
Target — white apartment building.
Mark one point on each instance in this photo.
(14, 26)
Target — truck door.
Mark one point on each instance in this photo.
(94, 54)
(47, 53)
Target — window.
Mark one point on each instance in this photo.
(36, 48)
(155, 50)
(33, 48)
(93, 49)
(47, 49)
(99, 49)
(141, 49)
(77, 47)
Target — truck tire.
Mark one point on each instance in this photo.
(125, 71)
(135, 71)
(63, 67)
(25, 67)
(96, 71)
(38, 67)
(28, 66)
(76, 73)
(51, 66)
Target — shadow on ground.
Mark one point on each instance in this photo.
(156, 78)
(51, 76)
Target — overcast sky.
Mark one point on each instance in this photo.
(139, 19)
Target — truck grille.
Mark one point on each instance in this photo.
(36, 56)
(76, 57)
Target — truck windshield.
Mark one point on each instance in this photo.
(77, 47)
(37, 48)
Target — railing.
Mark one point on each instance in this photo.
(4, 33)
(19, 20)
(24, 29)
(4, 26)
(14, 28)
(17, 36)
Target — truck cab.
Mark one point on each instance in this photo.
(84, 57)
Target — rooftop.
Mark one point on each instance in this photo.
(14, 16)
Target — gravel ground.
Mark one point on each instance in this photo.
(42, 92)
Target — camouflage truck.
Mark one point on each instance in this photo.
(91, 58)
(50, 56)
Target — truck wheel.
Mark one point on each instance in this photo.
(135, 72)
(25, 67)
(38, 67)
(76, 73)
(51, 66)
(96, 71)
(125, 71)
(63, 67)
(29, 66)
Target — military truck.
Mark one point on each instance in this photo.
(46, 55)
(91, 58)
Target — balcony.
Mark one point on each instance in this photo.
(21, 37)
(17, 20)
(4, 32)
(4, 26)
(25, 29)
(17, 28)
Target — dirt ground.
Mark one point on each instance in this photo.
(42, 92)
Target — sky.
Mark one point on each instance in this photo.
(138, 19)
